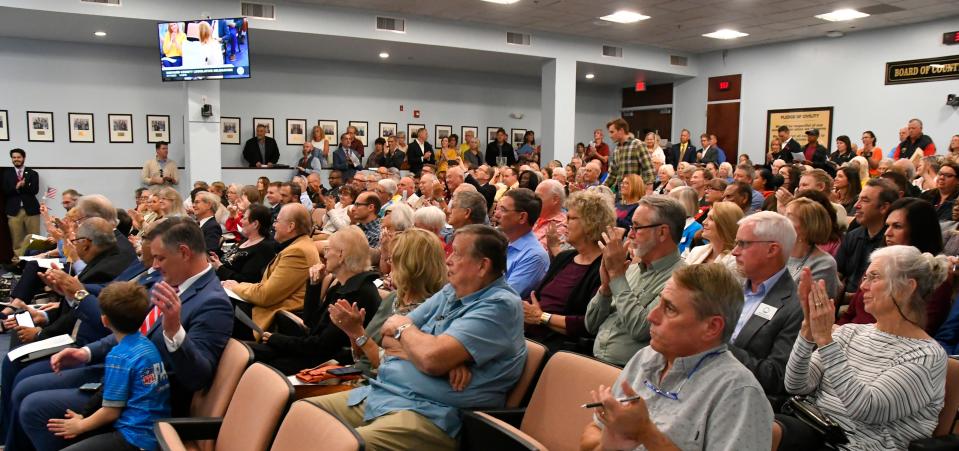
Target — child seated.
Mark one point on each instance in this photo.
(136, 391)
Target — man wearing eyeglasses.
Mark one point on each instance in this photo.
(365, 214)
(526, 260)
(630, 287)
(692, 393)
(766, 329)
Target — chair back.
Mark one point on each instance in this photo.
(535, 354)
(554, 416)
(213, 402)
(260, 401)
(947, 416)
(307, 425)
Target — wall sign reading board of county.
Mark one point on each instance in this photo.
(918, 71)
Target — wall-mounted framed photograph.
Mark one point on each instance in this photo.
(81, 127)
(229, 130)
(491, 134)
(158, 128)
(331, 130)
(121, 128)
(467, 129)
(40, 126)
(411, 130)
(517, 134)
(362, 130)
(264, 121)
(4, 126)
(387, 129)
(295, 132)
(442, 131)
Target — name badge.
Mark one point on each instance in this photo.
(765, 311)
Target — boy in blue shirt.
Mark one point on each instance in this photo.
(136, 391)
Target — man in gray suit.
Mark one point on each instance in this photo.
(771, 316)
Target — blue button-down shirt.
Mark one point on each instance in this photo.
(489, 324)
(752, 300)
(526, 264)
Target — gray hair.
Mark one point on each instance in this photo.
(687, 198)
(903, 263)
(556, 189)
(559, 171)
(99, 231)
(909, 169)
(97, 206)
(401, 215)
(389, 185)
(666, 210)
(716, 292)
(474, 202)
(772, 226)
(670, 170)
(606, 192)
(430, 218)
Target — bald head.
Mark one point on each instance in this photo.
(296, 214)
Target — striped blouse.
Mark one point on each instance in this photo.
(885, 390)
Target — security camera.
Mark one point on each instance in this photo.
(952, 100)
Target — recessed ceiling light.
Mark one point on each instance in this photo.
(840, 15)
(501, 2)
(834, 34)
(622, 16)
(590, 76)
(725, 34)
(384, 55)
(99, 34)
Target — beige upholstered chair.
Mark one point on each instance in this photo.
(307, 425)
(535, 354)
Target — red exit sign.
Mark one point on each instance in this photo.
(950, 38)
(724, 86)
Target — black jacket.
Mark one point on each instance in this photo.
(493, 151)
(789, 149)
(25, 197)
(673, 156)
(396, 159)
(211, 235)
(251, 152)
(247, 264)
(576, 302)
(414, 156)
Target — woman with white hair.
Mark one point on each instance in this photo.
(725, 172)
(688, 198)
(433, 219)
(863, 166)
(663, 176)
(884, 382)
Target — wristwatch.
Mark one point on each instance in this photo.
(399, 331)
(544, 318)
(80, 294)
(361, 340)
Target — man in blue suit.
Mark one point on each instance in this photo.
(189, 323)
(345, 159)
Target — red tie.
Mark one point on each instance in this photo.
(153, 317)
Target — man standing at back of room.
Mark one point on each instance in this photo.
(261, 150)
(629, 157)
(20, 188)
(160, 171)
(915, 141)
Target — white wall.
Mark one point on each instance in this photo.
(846, 73)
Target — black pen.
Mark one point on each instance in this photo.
(599, 404)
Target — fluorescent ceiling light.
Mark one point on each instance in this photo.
(590, 76)
(840, 15)
(501, 2)
(725, 34)
(384, 55)
(99, 34)
(624, 17)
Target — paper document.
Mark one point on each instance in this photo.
(233, 295)
(799, 156)
(24, 319)
(42, 262)
(58, 342)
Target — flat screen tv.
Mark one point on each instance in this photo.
(204, 49)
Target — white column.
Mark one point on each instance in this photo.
(558, 90)
(202, 156)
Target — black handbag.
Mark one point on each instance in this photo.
(808, 413)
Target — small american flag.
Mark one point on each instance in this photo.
(51, 193)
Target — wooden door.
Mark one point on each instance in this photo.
(659, 120)
(722, 119)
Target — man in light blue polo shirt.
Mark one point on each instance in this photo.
(526, 260)
(462, 348)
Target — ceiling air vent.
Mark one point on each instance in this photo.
(678, 60)
(258, 10)
(390, 24)
(613, 51)
(103, 2)
(517, 38)
(876, 10)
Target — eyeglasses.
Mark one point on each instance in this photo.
(635, 228)
(947, 175)
(743, 244)
(75, 240)
(871, 277)
(504, 210)
(365, 204)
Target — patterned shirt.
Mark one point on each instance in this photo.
(372, 231)
(630, 157)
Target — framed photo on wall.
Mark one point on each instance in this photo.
(81, 127)
(229, 130)
(40, 126)
(330, 130)
(121, 128)
(4, 126)
(411, 131)
(491, 134)
(158, 128)
(387, 129)
(468, 128)
(295, 132)
(516, 134)
(362, 130)
(266, 122)
(441, 131)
